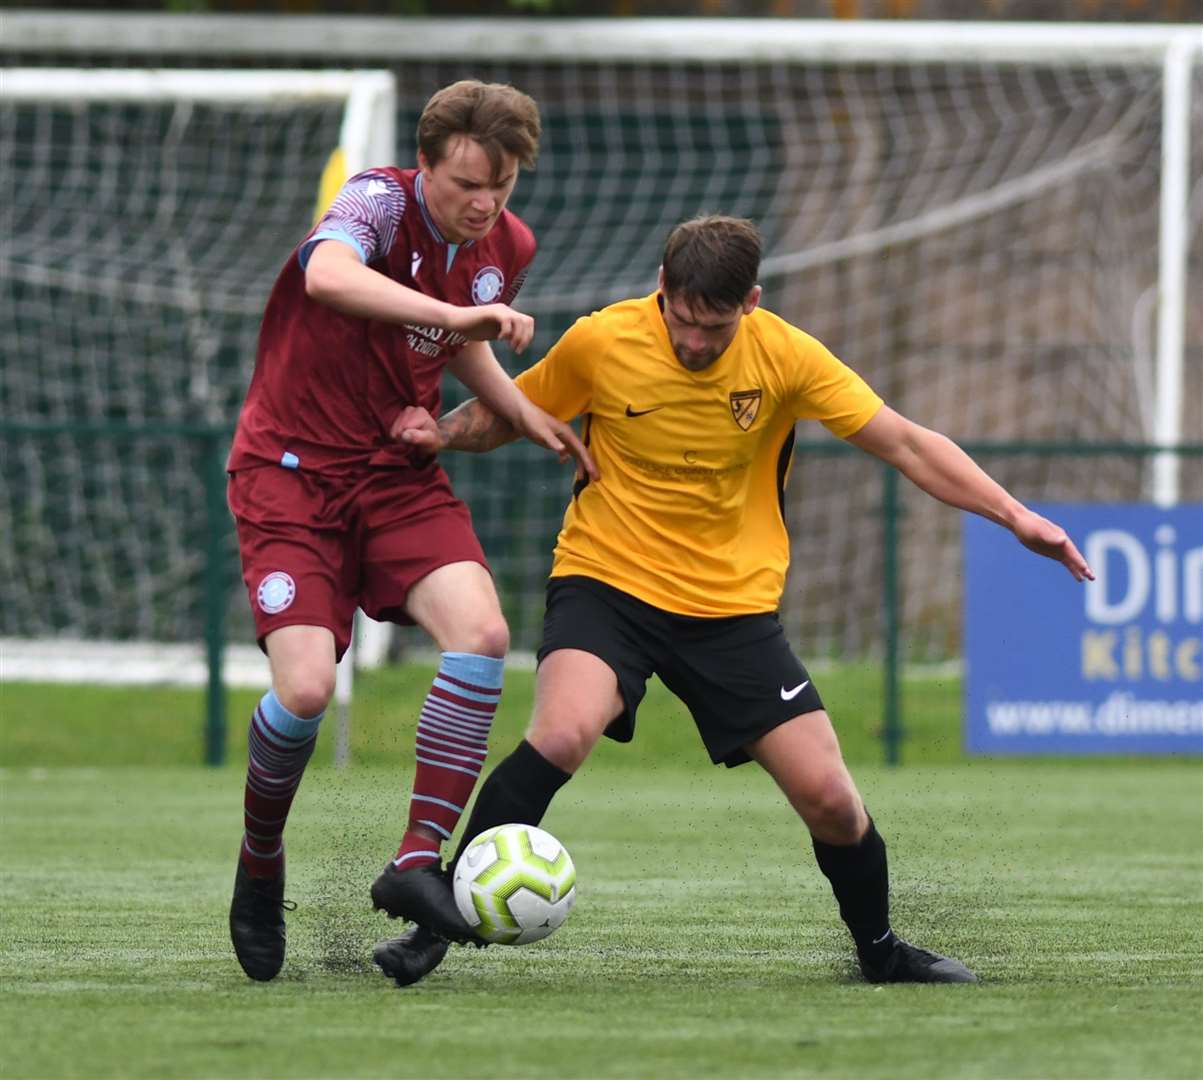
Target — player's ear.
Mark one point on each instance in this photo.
(423, 163)
(660, 277)
(751, 300)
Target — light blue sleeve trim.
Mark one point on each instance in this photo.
(306, 249)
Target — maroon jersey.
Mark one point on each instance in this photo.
(327, 386)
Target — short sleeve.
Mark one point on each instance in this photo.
(829, 391)
(365, 215)
(562, 382)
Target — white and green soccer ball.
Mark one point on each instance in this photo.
(514, 884)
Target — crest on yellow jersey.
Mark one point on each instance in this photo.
(745, 406)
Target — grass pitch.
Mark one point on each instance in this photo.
(705, 942)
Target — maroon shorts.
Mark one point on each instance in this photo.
(315, 547)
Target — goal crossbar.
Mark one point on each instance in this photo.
(367, 135)
(602, 40)
(167, 84)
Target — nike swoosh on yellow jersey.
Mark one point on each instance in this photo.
(642, 412)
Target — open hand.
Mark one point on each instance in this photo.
(1042, 536)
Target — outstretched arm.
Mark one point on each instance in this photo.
(936, 464)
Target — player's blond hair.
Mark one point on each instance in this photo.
(713, 261)
(501, 118)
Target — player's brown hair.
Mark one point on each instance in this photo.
(499, 117)
(713, 261)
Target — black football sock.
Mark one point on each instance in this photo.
(860, 880)
(518, 791)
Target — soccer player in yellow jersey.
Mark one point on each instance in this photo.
(673, 561)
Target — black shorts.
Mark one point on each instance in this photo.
(735, 674)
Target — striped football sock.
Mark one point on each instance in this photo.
(453, 733)
(280, 745)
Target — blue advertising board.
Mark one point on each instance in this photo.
(1112, 666)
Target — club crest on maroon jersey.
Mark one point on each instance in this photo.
(487, 285)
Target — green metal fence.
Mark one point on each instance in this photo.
(218, 554)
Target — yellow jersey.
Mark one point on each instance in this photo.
(687, 512)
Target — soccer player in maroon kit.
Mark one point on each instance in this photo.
(410, 271)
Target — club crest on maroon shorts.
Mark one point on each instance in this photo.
(276, 592)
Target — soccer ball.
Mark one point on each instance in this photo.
(514, 884)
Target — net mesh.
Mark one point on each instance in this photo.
(979, 241)
(139, 243)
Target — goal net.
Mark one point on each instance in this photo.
(972, 223)
(146, 214)
(970, 220)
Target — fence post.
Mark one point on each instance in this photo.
(213, 469)
(891, 713)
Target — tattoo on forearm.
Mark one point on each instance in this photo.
(474, 428)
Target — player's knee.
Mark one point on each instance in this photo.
(836, 814)
(565, 746)
(489, 637)
(306, 693)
